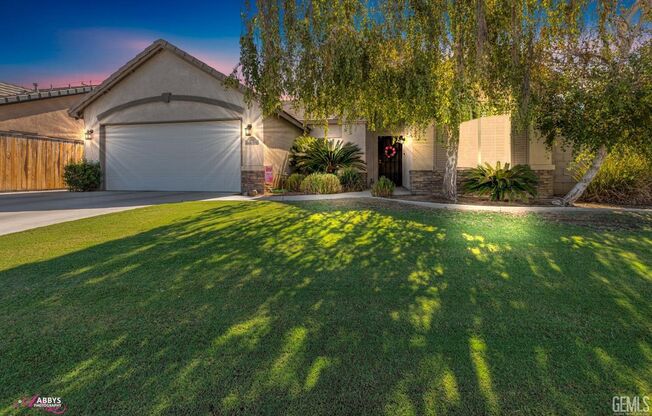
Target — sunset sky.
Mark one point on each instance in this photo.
(71, 41)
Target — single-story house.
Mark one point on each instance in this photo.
(41, 112)
(167, 121)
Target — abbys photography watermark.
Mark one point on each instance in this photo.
(48, 404)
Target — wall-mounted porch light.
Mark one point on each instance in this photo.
(400, 139)
(88, 135)
(248, 130)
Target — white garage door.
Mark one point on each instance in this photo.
(196, 156)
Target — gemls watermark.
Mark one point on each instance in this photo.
(631, 405)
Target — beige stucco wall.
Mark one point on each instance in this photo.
(495, 139)
(539, 157)
(520, 146)
(492, 139)
(166, 72)
(469, 147)
(279, 136)
(485, 140)
(47, 117)
(418, 150)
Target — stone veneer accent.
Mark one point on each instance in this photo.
(425, 181)
(545, 188)
(252, 180)
(461, 176)
(430, 182)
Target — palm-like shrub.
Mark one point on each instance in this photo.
(310, 155)
(384, 187)
(299, 147)
(321, 183)
(351, 179)
(501, 182)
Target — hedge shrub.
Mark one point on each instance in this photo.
(82, 176)
(321, 183)
(293, 182)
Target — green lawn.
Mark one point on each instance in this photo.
(325, 308)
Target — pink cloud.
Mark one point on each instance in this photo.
(90, 55)
(223, 64)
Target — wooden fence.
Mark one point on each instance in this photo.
(31, 163)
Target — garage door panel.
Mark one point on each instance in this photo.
(197, 156)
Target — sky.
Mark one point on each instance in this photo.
(69, 41)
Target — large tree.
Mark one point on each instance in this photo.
(396, 63)
(595, 93)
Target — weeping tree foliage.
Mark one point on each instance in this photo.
(399, 63)
(595, 93)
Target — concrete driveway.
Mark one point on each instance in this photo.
(23, 211)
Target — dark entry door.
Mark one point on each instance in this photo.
(390, 162)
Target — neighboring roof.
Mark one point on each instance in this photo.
(299, 114)
(11, 89)
(27, 95)
(288, 107)
(144, 56)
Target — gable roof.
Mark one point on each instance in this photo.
(11, 89)
(144, 56)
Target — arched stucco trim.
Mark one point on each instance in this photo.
(166, 98)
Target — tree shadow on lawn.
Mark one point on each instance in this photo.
(334, 308)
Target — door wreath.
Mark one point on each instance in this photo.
(390, 152)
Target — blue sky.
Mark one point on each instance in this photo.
(70, 41)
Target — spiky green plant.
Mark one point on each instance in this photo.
(384, 187)
(351, 179)
(501, 182)
(326, 156)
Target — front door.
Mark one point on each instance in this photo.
(390, 158)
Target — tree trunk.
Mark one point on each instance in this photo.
(449, 186)
(579, 188)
